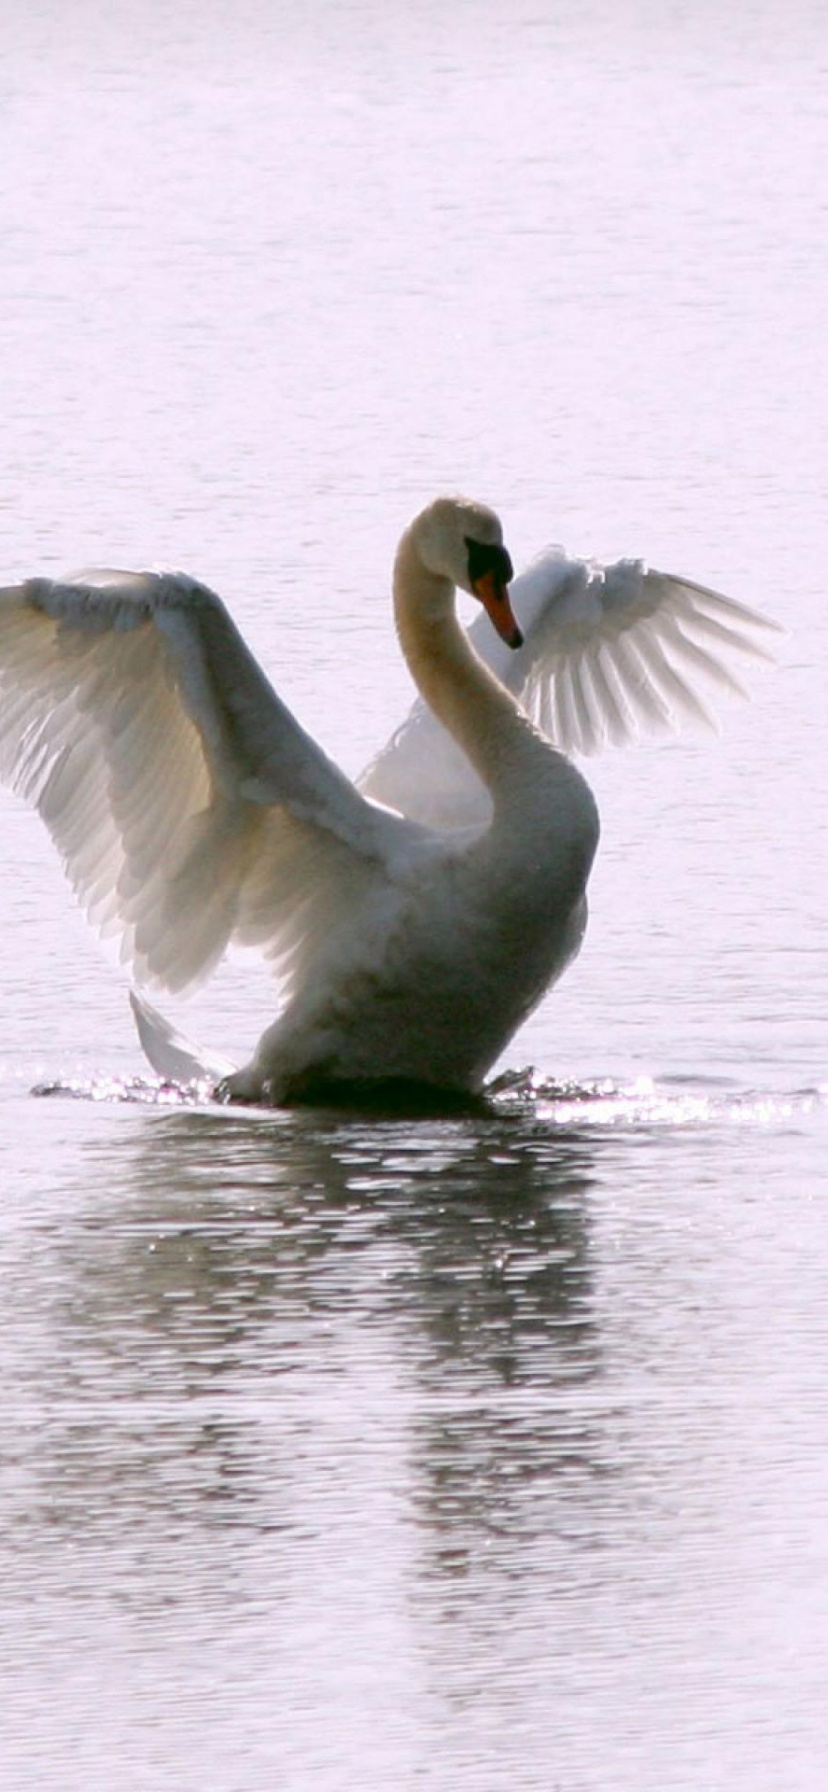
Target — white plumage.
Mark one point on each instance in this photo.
(611, 654)
(191, 809)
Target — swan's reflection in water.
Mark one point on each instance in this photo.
(303, 1328)
(350, 1451)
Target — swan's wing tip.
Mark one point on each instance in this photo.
(167, 1050)
(744, 621)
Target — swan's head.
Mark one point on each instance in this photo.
(463, 541)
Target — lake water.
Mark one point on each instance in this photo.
(456, 1453)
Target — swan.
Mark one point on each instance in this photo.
(414, 920)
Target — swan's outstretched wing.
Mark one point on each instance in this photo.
(610, 653)
(614, 652)
(188, 805)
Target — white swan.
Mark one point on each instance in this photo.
(191, 809)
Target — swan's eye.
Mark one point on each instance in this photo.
(488, 557)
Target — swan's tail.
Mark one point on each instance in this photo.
(169, 1053)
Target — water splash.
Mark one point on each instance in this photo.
(606, 1103)
(137, 1090)
(643, 1102)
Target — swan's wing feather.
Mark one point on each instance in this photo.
(648, 652)
(177, 786)
(610, 653)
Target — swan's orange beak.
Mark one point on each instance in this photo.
(494, 597)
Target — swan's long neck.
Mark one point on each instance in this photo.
(482, 716)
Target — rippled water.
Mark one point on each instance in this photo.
(465, 1451)
(482, 1450)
